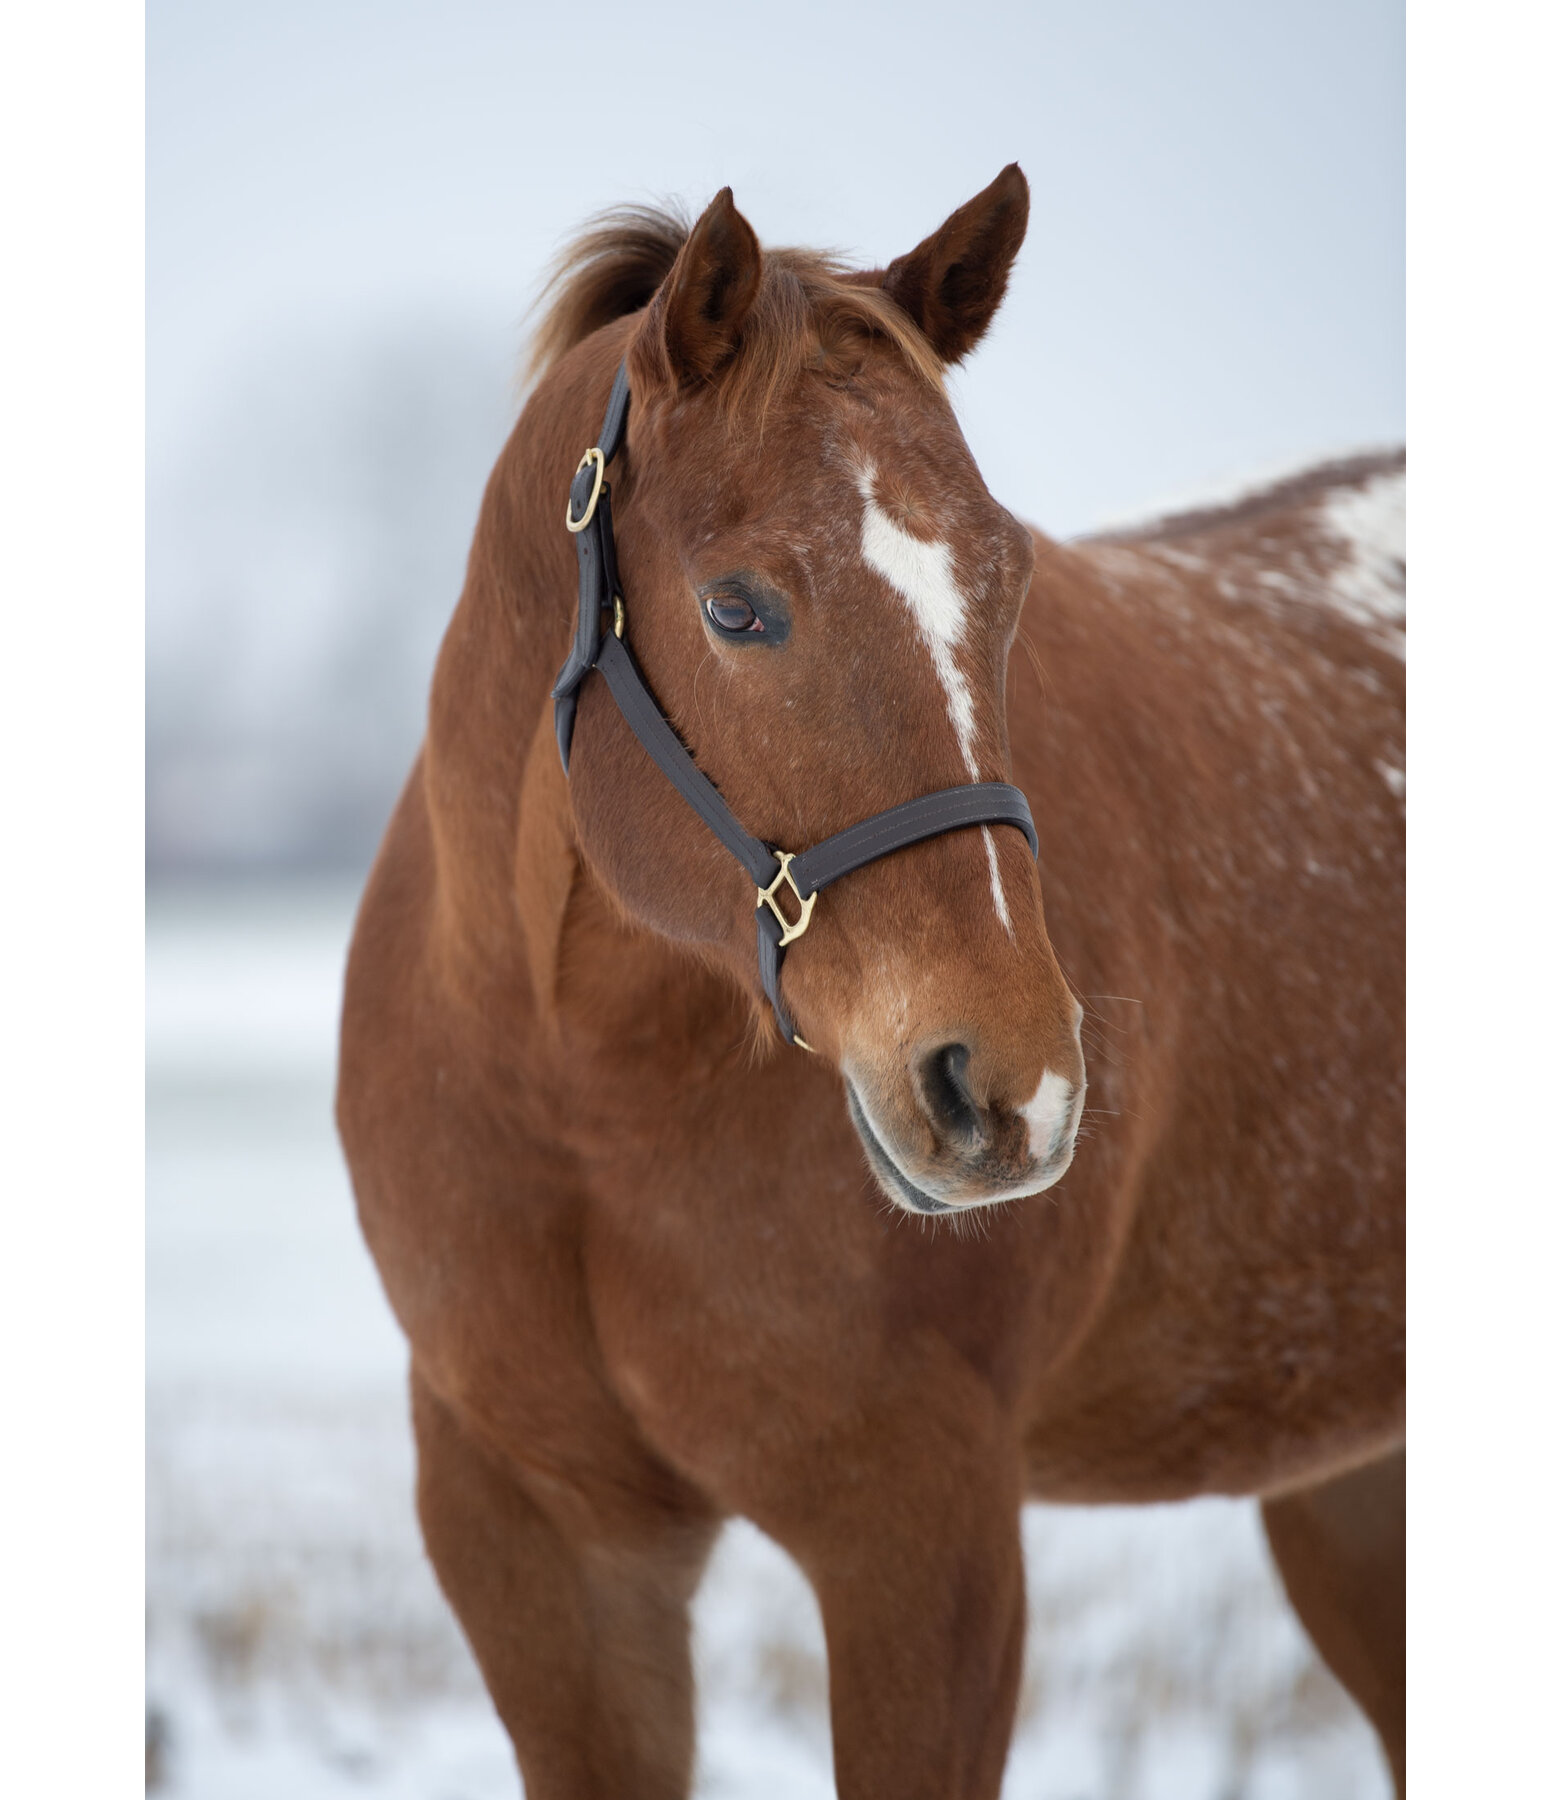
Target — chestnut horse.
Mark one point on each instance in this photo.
(657, 1267)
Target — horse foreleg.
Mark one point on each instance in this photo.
(923, 1612)
(581, 1632)
(1340, 1548)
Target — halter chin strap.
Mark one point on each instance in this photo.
(787, 885)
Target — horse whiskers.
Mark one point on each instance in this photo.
(695, 688)
(759, 1038)
(1026, 644)
(1107, 1025)
(1101, 1045)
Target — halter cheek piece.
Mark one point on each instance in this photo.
(787, 885)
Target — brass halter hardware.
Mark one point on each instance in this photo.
(790, 931)
(595, 457)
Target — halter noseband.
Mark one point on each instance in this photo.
(599, 644)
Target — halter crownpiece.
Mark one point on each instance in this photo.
(787, 885)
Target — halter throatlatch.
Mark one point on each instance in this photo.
(787, 885)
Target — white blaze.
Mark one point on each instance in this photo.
(920, 570)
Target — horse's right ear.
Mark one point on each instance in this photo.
(951, 284)
(695, 320)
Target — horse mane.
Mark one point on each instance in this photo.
(613, 266)
(812, 309)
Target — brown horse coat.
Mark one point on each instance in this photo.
(648, 1274)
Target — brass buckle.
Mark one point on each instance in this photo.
(790, 932)
(595, 457)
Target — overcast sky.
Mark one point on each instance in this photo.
(1212, 284)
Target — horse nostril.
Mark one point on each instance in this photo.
(944, 1090)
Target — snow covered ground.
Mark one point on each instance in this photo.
(297, 1645)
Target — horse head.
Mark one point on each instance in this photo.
(822, 594)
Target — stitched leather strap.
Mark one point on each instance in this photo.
(595, 645)
(616, 415)
(949, 809)
(666, 749)
(767, 931)
(595, 559)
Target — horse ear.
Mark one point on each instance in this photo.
(951, 284)
(694, 322)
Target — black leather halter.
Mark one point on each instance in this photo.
(599, 644)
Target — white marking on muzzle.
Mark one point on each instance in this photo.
(1047, 1114)
(921, 570)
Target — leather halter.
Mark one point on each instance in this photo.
(599, 644)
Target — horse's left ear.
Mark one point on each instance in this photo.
(694, 323)
(952, 284)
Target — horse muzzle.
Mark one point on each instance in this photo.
(948, 1143)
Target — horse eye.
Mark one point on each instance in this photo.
(734, 615)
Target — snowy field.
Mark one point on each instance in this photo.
(297, 1645)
